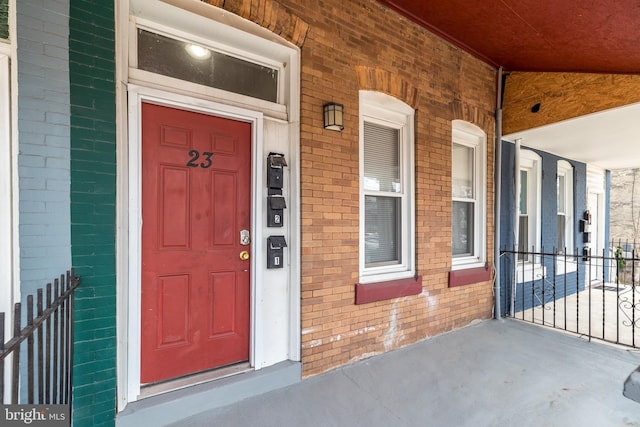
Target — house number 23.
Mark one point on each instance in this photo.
(195, 156)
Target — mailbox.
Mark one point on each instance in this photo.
(275, 207)
(275, 251)
(275, 163)
(584, 226)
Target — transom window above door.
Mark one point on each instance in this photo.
(197, 63)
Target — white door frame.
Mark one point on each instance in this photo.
(596, 186)
(137, 95)
(597, 244)
(9, 249)
(134, 85)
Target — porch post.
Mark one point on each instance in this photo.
(498, 188)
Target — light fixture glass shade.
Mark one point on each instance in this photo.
(197, 52)
(334, 116)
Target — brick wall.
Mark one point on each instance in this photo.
(43, 128)
(93, 183)
(340, 38)
(441, 83)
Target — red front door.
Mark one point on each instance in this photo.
(196, 181)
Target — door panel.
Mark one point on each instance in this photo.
(173, 307)
(174, 215)
(223, 290)
(196, 181)
(224, 231)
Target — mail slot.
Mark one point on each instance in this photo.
(275, 163)
(275, 211)
(275, 251)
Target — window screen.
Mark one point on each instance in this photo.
(464, 203)
(382, 184)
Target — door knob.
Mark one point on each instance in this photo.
(244, 255)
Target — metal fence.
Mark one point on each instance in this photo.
(45, 374)
(597, 296)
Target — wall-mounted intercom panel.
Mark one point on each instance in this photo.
(275, 174)
(275, 182)
(275, 251)
(275, 210)
(585, 226)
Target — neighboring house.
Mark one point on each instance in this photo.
(546, 201)
(213, 221)
(625, 220)
(625, 206)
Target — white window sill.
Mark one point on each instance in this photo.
(528, 272)
(385, 277)
(468, 263)
(571, 266)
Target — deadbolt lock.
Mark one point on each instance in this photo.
(245, 237)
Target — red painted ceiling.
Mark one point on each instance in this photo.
(598, 36)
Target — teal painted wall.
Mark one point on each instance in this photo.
(93, 203)
(4, 19)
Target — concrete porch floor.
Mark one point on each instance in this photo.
(610, 312)
(492, 373)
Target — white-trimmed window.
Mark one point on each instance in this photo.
(529, 216)
(564, 185)
(387, 218)
(468, 188)
(565, 221)
(529, 203)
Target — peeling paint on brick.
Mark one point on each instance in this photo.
(394, 335)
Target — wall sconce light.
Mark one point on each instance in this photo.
(334, 116)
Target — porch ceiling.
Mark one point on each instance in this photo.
(598, 36)
(608, 139)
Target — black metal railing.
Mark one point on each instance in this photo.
(595, 295)
(48, 338)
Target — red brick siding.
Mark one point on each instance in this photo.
(359, 44)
